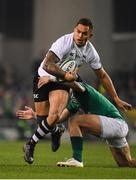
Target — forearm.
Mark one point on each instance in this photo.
(54, 70)
(75, 86)
(50, 66)
(108, 85)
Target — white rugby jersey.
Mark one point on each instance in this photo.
(65, 49)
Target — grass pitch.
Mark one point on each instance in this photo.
(97, 160)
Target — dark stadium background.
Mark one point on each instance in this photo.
(28, 28)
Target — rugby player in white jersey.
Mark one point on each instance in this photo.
(51, 99)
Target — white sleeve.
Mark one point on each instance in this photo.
(61, 46)
(94, 60)
(95, 63)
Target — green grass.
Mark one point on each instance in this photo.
(97, 160)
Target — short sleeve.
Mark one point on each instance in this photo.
(94, 59)
(62, 45)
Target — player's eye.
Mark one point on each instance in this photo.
(78, 31)
(85, 33)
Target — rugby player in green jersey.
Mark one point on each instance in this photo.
(100, 118)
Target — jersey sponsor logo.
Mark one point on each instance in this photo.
(36, 96)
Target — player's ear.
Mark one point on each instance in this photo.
(90, 35)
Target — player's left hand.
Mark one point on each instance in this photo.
(123, 105)
(26, 114)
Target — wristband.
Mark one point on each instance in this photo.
(53, 79)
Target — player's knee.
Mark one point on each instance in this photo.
(123, 163)
(71, 124)
(53, 118)
(40, 119)
(74, 120)
(132, 163)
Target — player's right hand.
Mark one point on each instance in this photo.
(70, 76)
(43, 80)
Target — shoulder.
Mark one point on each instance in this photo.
(92, 56)
(91, 49)
(64, 41)
(62, 45)
(67, 38)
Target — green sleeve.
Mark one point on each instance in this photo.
(73, 105)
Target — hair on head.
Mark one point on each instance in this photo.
(86, 22)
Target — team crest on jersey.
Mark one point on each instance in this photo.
(71, 54)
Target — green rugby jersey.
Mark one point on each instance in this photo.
(91, 101)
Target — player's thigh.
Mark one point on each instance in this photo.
(42, 108)
(40, 96)
(114, 130)
(58, 100)
(88, 122)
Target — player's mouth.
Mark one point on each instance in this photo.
(80, 42)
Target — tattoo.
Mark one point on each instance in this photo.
(51, 58)
(50, 65)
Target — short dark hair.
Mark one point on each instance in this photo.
(86, 22)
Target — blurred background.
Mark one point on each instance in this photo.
(29, 27)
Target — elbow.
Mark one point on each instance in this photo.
(46, 67)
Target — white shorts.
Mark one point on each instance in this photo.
(114, 130)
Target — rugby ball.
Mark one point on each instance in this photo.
(68, 66)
